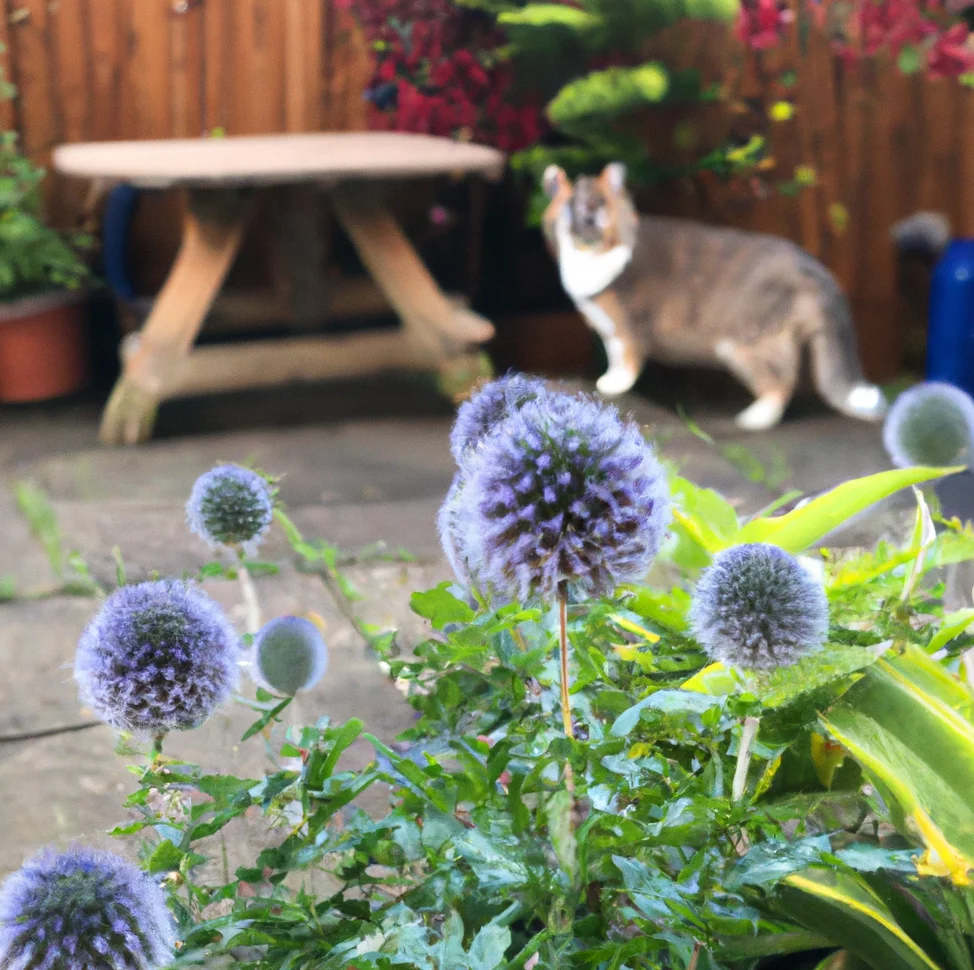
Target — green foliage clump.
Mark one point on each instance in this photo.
(34, 257)
(592, 61)
(696, 817)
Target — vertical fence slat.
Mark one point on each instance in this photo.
(258, 67)
(216, 84)
(38, 108)
(8, 106)
(145, 91)
(186, 71)
(106, 33)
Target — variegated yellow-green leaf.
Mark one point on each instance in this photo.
(795, 531)
(909, 724)
(842, 905)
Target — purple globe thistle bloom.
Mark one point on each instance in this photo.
(231, 506)
(454, 524)
(157, 657)
(756, 607)
(930, 424)
(289, 655)
(488, 407)
(564, 493)
(83, 910)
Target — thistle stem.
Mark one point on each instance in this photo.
(566, 703)
(157, 744)
(748, 735)
(249, 594)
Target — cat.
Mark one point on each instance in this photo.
(682, 292)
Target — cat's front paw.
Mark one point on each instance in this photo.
(616, 381)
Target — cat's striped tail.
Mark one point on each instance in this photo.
(835, 354)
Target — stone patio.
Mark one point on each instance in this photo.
(364, 464)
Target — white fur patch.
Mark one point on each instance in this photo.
(621, 374)
(764, 413)
(866, 399)
(585, 273)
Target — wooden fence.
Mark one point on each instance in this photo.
(881, 145)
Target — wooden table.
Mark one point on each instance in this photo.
(221, 175)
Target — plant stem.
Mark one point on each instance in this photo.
(566, 703)
(744, 757)
(249, 594)
(157, 744)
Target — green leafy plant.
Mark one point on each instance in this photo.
(34, 257)
(637, 839)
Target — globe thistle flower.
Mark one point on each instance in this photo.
(564, 495)
(83, 910)
(488, 407)
(231, 506)
(930, 424)
(157, 657)
(454, 525)
(289, 655)
(756, 607)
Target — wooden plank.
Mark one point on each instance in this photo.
(70, 54)
(9, 115)
(880, 340)
(217, 76)
(106, 35)
(186, 70)
(258, 67)
(296, 91)
(38, 103)
(348, 67)
(146, 107)
(314, 13)
(965, 175)
(936, 125)
(849, 173)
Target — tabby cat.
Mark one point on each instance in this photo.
(683, 292)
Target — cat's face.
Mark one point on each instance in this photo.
(589, 208)
(589, 211)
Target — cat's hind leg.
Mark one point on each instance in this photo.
(767, 368)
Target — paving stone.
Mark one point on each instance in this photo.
(350, 482)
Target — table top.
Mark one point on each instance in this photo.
(275, 159)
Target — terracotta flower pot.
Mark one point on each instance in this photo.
(43, 346)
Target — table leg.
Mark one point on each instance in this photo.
(212, 232)
(432, 322)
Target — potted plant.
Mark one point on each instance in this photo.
(42, 326)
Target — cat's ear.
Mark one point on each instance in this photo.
(554, 180)
(614, 176)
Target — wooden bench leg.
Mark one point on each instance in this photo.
(212, 232)
(432, 322)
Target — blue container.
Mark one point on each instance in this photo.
(950, 336)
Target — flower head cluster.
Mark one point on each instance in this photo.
(488, 407)
(438, 71)
(930, 424)
(159, 656)
(453, 524)
(231, 506)
(756, 607)
(860, 30)
(83, 910)
(289, 655)
(562, 494)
